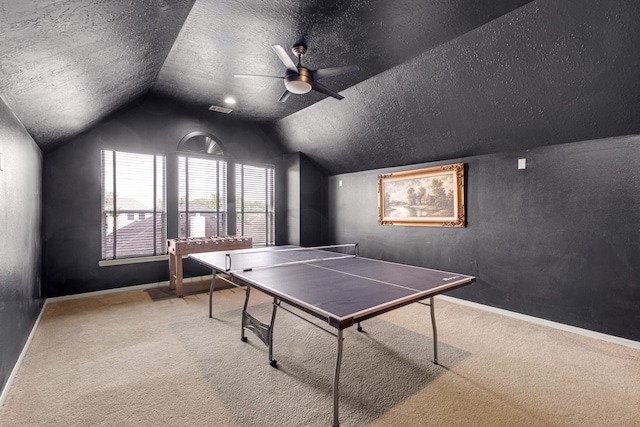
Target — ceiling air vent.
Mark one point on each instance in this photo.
(220, 109)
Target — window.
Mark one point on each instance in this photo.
(255, 203)
(133, 184)
(202, 197)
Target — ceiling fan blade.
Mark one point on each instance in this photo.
(284, 96)
(323, 73)
(284, 57)
(323, 89)
(251, 76)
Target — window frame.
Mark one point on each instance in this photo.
(235, 209)
(224, 227)
(269, 200)
(159, 209)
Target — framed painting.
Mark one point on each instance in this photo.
(427, 197)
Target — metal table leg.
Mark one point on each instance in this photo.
(336, 378)
(213, 283)
(432, 308)
(435, 331)
(261, 330)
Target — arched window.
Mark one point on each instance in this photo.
(201, 143)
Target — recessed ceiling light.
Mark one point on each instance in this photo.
(230, 100)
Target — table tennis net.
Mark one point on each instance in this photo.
(275, 257)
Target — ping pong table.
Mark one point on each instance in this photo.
(330, 283)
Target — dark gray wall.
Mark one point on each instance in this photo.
(72, 188)
(559, 240)
(304, 201)
(20, 249)
(311, 192)
(292, 163)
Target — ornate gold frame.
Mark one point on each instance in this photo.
(442, 205)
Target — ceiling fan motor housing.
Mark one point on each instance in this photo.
(299, 50)
(299, 83)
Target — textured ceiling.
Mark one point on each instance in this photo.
(66, 64)
(223, 38)
(438, 79)
(547, 73)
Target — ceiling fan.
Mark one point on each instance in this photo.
(299, 79)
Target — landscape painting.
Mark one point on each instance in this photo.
(432, 197)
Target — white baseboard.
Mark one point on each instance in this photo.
(548, 323)
(512, 314)
(531, 319)
(7, 386)
(128, 288)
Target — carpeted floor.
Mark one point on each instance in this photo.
(147, 358)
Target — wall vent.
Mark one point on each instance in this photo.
(220, 109)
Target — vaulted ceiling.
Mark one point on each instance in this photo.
(437, 79)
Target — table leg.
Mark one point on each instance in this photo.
(261, 330)
(435, 331)
(336, 379)
(179, 290)
(272, 361)
(245, 319)
(213, 283)
(172, 271)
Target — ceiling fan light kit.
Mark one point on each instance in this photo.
(299, 79)
(298, 83)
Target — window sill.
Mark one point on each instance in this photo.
(138, 260)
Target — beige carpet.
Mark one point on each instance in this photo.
(146, 358)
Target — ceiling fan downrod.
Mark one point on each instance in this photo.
(299, 50)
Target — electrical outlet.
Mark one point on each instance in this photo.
(522, 163)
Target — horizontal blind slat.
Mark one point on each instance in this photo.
(255, 203)
(134, 219)
(202, 203)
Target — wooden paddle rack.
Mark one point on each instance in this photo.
(177, 248)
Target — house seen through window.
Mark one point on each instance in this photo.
(133, 205)
(255, 207)
(202, 197)
(134, 218)
(203, 200)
